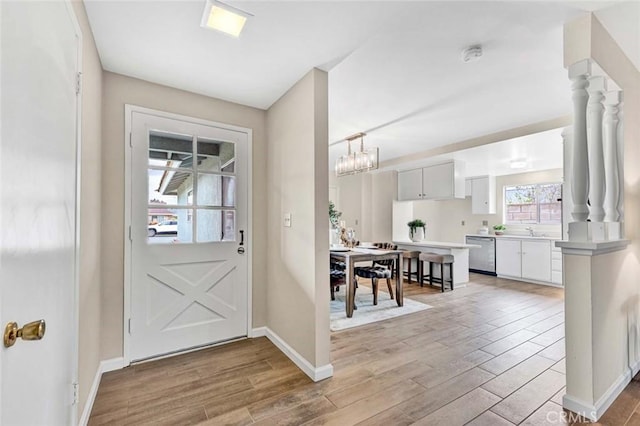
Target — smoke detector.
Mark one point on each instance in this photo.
(472, 53)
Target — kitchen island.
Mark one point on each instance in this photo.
(460, 252)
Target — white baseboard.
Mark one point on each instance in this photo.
(635, 368)
(315, 373)
(112, 364)
(258, 332)
(594, 411)
(88, 405)
(612, 393)
(104, 367)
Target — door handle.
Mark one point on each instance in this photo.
(33, 331)
(241, 237)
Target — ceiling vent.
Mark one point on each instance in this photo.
(472, 53)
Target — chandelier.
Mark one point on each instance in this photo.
(358, 161)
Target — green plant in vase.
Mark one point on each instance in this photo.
(499, 229)
(334, 220)
(417, 230)
(334, 215)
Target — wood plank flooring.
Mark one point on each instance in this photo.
(491, 353)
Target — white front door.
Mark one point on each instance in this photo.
(188, 234)
(39, 57)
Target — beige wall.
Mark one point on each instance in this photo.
(444, 218)
(297, 264)
(90, 211)
(615, 292)
(119, 90)
(620, 305)
(350, 201)
(383, 184)
(366, 203)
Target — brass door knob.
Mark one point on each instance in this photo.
(33, 331)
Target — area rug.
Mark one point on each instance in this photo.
(367, 312)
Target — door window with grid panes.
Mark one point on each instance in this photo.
(192, 183)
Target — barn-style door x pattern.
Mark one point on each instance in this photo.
(189, 292)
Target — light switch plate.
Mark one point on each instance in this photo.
(287, 220)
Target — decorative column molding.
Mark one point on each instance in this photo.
(578, 74)
(567, 193)
(595, 110)
(597, 175)
(610, 150)
(620, 149)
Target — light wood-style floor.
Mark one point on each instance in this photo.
(491, 353)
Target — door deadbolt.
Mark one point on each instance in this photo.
(33, 331)
(240, 250)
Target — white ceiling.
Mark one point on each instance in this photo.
(394, 67)
(540, 151)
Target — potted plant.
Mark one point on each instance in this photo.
(334, 220)
(499, 229)
(417, 229)
(334, 215)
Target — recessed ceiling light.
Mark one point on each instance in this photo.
(518, 164)
(222, 17)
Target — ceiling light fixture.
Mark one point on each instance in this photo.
(357, 162)
(518, 164)
(222, 17)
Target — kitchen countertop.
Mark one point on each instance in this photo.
(437, 244)
(519, 237)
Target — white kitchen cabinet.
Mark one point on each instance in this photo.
(526, 259)
(556, 264)
(438, 182)
(410, 185)
(536, 260)
(443, 181)
(508, 258)
(483, 195)
(467, 187)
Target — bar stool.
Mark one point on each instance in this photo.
(409, 256)
(442, 259)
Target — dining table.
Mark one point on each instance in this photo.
(360, 254)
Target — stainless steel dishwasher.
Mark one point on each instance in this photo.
(483, 259)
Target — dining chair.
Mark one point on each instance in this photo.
(380, 269)
(337, 277)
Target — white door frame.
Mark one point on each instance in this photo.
(75, 353)
(128, 113)
(75, 320)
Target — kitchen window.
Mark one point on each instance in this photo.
(533, 204)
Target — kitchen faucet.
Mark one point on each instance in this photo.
(530, 229)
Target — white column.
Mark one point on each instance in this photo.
(620, 147)
(597, 85)
(580, 171)
(610, 150)
(589, 326)
(567, 197)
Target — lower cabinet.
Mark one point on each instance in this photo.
(536, 260)
(508, 258)
(556, 264)
(525, 259)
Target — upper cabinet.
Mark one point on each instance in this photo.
(410, 185)
(483, 194)
(439, 182)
